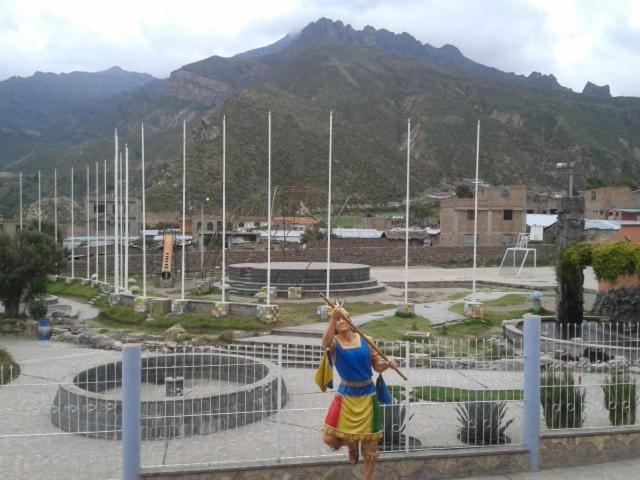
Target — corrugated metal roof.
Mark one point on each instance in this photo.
(357, 233)
(540, 220)
(600, 225)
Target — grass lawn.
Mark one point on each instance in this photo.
(507, 300)
(432, 393)
(492, 324)
(290, 314)
(394, 327)
(5, 372)
(74, 289)
(348, 221)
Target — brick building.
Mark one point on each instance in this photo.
(611, 203)
(501, 217)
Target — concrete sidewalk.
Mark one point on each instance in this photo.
(623, 470)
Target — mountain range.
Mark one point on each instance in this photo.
(372, 80)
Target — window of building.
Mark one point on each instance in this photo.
(530, 211)
(219, 225)
(507, 239)
(594, 215)
(241, 225)
(209, 226)
(593, 195)
(468, 240)
(199, 226)
(471, 215)
(553, 211)
(507, 215)
(256, 224)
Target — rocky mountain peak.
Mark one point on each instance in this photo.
(593, 90)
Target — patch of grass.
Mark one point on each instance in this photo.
(394, 327)
(491, 325)
(348, 221)
(459, 295)
(507, 300)
(73, 289)
(6, 371)
(292, 314)
(126, 319)
(432, 393)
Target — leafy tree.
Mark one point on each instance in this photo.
(594, 182)
(421, 214)
(26, 260)
(463, 191)
(46, 227)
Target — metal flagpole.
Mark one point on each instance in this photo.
(88, 232)
(21, 201)
(475, 215)
(329, 206)
(406, 226)
(39, 204)
(121, 281)
(269, 220)
(126, 217)
(95, 212)
(224, 205)
(55, 204)
(184, 200)
(144, 225)
(73, 238)
(116, 220)
(104, 219)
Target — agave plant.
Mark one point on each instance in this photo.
(563, 401)
(620, 398)
(393, 427)
(482, 423)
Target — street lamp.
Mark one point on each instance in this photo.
(568, 166)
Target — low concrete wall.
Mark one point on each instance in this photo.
(572, 449)
(418, 466)
(558, 449)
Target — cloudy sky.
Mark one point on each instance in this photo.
(576, 40)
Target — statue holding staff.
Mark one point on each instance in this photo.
(354, 418)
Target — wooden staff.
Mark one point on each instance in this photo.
(371, 344)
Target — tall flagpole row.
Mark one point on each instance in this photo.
(20, 181)
(39, 204)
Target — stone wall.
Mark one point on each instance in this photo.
(561, 449)
(619, 305)
(418, 466)
(375, 252)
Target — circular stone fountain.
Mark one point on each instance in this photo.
(311, 277)
(182, 394)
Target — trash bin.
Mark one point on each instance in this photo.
(44, 329)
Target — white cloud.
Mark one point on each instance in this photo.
(577, 40)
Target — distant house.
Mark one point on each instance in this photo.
(501, 217)
(9, 225)
(611, 203)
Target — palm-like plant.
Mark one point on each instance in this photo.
(483, 423)
(620, 397)
(563, 401)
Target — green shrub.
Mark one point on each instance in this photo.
(611, 260)
(620, 398)
(482, 423)
(562, 400)
(37, 309)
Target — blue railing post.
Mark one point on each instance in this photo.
(131, 379)
(531, 423)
